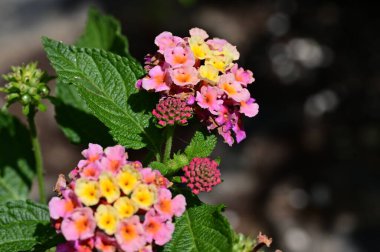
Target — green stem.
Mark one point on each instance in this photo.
(37, 156)
(169, 143)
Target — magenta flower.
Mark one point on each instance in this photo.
(232, 88)
(92, 155)
(60, 208)
(179, 56)
(166, 40)
(244, 77)
(225, 132)
(84, 245)
(201, 175)
(105, 243)
(156, 80)
(79, 225)
(208, 99)
(76, 246)
(249, 108)
(157, 228)
(184, 76)
(168, 207)
(66, 247)
(91, 171)
(115, 158)
(130, 234)
(239, 132)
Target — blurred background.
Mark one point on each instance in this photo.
(308, 174)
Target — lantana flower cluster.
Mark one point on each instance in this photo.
(112, 204)
(201, 175)
(201, 71)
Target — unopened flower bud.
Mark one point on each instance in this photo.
(26, 99)
(26, 84)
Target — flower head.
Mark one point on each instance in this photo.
(202, 72)
(201, 175)
(26, 84)
(171, 111)
(108, 211)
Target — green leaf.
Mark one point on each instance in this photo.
(201, 228)
(163, 168)
(103, 32)
(25, 225)
(106, 82)
(77, 125)
(16, 159)
(201, 145)
(72, 113)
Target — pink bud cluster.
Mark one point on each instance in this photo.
(201, 72)
(112, 204)
(172, 110)
(201, 175)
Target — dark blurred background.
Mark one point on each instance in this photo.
(309, 172)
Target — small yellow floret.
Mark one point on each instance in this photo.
(230, 51)
(108, 187)
(199, 48)
(144, 196)
(125, 207)
(106, 218)
(127, 179)
(220, 62)
(87, 191)
(209, 73)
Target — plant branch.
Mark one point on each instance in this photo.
(37, 155)
(168, 143)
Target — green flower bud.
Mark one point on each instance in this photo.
(32, 91)
(12, 97)
(243, 243)
(26, 99)
(44, 91)
(27, 85)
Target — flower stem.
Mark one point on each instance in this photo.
(169, 143)
(37, 156)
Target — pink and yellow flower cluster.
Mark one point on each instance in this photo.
(112, 204)
(202, 72)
